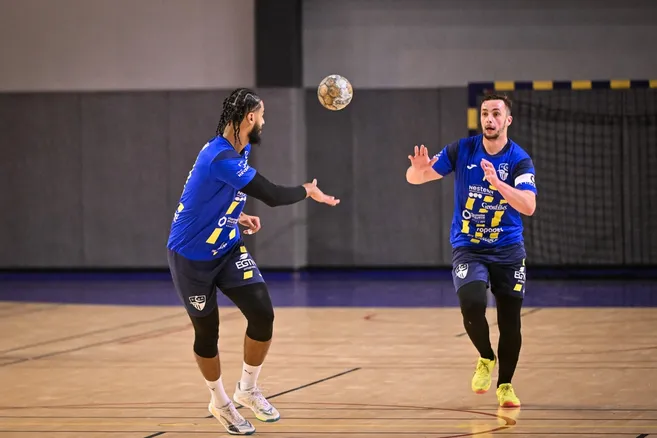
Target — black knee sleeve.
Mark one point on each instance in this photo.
(508, 321)
(206, 334)
(255, 304)
(473, 300)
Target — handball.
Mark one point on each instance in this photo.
(334, 92)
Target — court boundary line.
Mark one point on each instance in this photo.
(156, 332)
(93, 332)
(238, 406)
(615, 434)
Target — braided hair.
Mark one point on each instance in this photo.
(237, 105)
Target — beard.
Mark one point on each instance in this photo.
(495, 134)
(492, 136)
(254, 135)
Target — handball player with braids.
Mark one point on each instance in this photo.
(206, 253)
(493, 186)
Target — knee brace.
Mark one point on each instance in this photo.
(255, 304)
(473, 300)
(206, 334)
(261, 326)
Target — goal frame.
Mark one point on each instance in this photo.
(477, 89)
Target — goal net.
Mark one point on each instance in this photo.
(594, 147)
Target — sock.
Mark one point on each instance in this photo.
(249, 376)
(219, 396)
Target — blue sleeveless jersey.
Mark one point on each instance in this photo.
(482, 218)
(205, 225)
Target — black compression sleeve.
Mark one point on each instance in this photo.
(271, 194)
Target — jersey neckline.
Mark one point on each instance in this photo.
(225, 141)
(500, 153)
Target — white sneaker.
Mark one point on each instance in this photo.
(254, 400)
(232, 420)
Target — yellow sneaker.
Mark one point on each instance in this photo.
(507, 397)
(482, 377)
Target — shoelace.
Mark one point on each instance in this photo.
(234, 416)
(482, 368)
(259, 399)
(505, 390)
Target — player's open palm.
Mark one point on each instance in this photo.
(421, 161)
(489, 171)
(319, 196)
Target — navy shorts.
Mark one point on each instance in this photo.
(196, 282)
(503, 269)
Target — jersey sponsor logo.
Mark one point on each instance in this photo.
(525, 178)
(487, 239)
(494, 207)
(244, 167)
(503, 171)
(476, 217)
(239, 197)
(471, 166)
(475, 195)
(480, 189)
(490, 230)
(245, 262)
(520, 274)
(222, 246)
(227, 220)
(198, 301)
(461, 270)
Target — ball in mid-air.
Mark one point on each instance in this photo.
(334, 92)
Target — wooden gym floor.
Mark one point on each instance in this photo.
(126, 370)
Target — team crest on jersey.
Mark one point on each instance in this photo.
(462, 270)
(198, 301)
(503, 171)
(240, 196)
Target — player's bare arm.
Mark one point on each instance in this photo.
(421, 169)
(523, 201)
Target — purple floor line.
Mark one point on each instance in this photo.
(322, 290)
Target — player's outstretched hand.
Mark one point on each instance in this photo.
(421, 161)
(319, 196)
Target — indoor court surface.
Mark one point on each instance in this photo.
(353, 355)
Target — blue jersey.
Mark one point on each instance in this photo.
(204, 225)
(482, 217)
